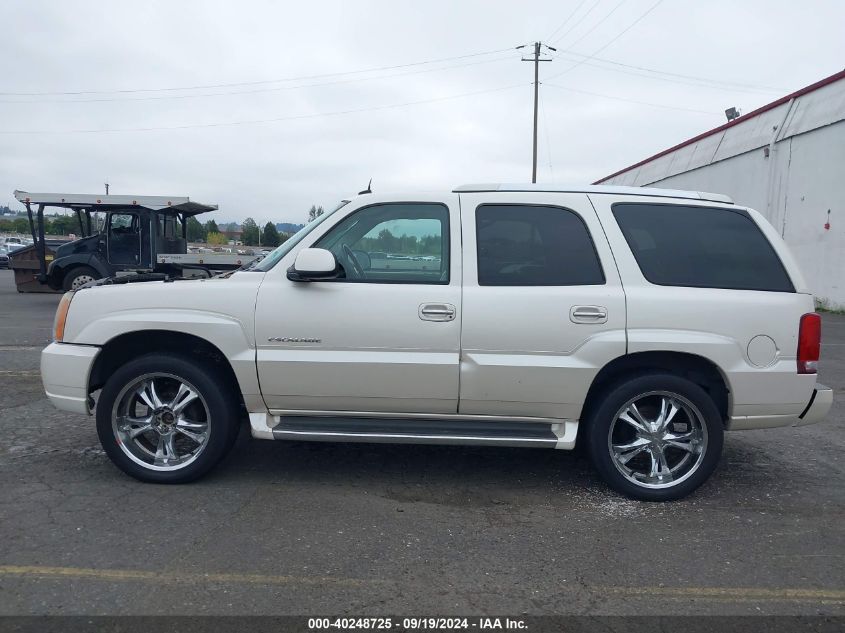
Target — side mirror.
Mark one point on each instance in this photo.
(313, 264)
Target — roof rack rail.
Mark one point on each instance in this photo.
(597, 189)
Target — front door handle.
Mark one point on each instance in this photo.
(437, 312)
(588, 314)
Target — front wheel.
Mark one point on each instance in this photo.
(655, 437)
(162, 419)
(78, 276)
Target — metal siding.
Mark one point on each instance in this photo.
(822, 107)
(808, 95)
(817, 109)
(813, 184)
(753, 134)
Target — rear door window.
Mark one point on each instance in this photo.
(527, 245)
(701, 247)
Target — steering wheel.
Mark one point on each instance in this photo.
(350, 257)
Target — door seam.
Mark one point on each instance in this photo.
(616, 265)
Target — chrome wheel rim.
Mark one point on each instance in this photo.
(80, 281)
(161, 422)
(657, 439)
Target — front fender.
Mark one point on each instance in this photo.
(227, 333)
(58, 267)
(220, 311)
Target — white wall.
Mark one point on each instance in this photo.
(793, 188)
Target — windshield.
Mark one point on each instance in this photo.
(268, 262)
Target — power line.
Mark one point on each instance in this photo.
(597, 61)
(620, 34)
(566, 21)
(617, 98)
(251, 83)
(599, 23)
(574, 26)
(632, 25)
(263, 121)
(569, 51)
(256, 90)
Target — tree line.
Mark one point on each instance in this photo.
(58, 225)
(387, 242)
(251, 233)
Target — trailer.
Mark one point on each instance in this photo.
(120, 235)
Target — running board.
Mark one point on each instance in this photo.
(553, 434)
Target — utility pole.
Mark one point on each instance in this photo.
(107, 187)
(536, 59)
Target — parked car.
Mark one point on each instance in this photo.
(6, 250)
(12, 240)
(643, 323)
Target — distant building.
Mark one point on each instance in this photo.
(234, 234)
(787, 161)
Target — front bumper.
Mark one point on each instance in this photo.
(65, 369)
(818, 407)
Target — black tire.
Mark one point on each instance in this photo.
(219, 406)
(696, 409)
(78, 274)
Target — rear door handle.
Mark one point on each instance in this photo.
(437, 312)
(588, 314)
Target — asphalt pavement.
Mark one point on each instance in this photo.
(355, 529)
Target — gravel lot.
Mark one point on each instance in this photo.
(307, 528)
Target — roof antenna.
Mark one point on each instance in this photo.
(369, 188)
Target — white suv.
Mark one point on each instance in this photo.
(641, 322)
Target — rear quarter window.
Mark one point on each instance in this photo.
(701, 247)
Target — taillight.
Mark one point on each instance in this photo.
(809, 343)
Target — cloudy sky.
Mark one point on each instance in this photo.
(267, 107)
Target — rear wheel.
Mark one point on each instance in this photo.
(78, 276)
(655, 437)
(162, 419)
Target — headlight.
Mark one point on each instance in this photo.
(61, 316)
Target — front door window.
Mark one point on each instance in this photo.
(393, 243)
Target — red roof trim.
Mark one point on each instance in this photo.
(742, 119)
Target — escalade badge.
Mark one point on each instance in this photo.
(287, 339)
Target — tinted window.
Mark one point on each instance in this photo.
(398, 243)
(521, 245)
(702, 247)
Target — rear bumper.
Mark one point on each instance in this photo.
(816, 410)
(818, 407)
(65, 370)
